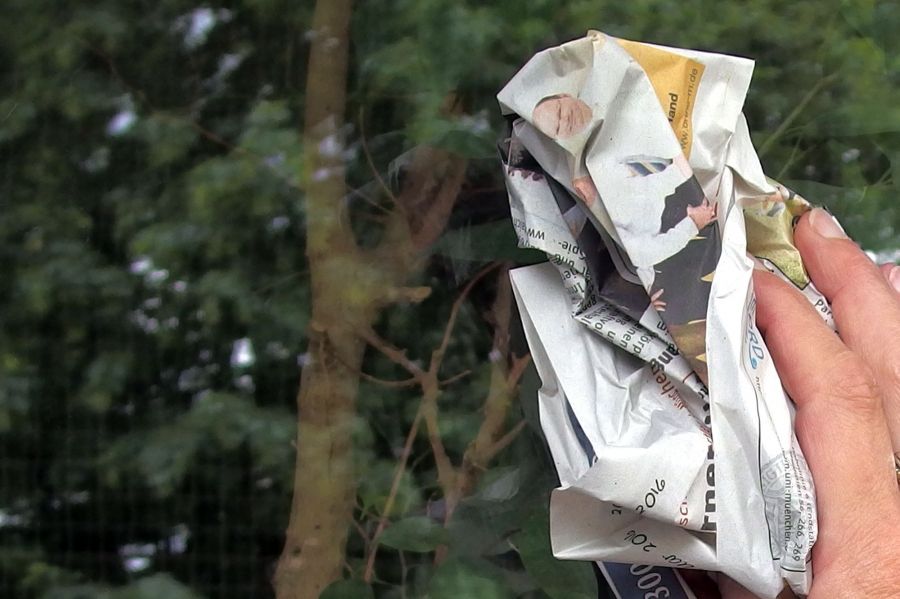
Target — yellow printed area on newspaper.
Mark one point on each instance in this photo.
(675, 79)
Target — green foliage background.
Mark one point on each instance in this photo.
(152, 225)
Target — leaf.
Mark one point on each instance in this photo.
(348, 589)
(155, 587)
(500, 484)
(15, 118)
(80, 591)
(15, 397)
(485, 242)
(375, 487)
(457, 578)
(168, 138)
(419, 534)
(560, 579)
(39, 575)
(270, 135)
(861, 119)
(106, 378)
(166, 458)
(869, 214)
(227, 418)
(150, 587)
(469, 135)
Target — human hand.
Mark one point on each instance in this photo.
(847, 393)
(891, 273)
(703, 214)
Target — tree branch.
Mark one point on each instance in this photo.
(394, 354)
(372, 549)
(437, 355)
(490, 438)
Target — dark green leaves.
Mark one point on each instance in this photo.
(217, 423)
(121, 413)
(168, 137)
(560, 579)
(348, 589)
(105, 379)
(418, 534)
(457, 578)
(150, 587)
(485, 242)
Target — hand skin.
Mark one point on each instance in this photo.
(847, 392)
(891, 272)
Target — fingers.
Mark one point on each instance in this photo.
(866, 307)
(891, 274)
(840, 423)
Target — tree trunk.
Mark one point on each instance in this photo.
(349, 289)
(324, 482)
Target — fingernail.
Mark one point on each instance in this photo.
(826, 225)
(895, 278)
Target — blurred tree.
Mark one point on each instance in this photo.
(199, 199)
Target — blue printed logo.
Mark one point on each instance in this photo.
(755, 351)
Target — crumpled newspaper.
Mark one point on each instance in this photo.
(630, 165)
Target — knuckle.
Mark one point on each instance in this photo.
(857, 262)
(853, 386)
(854, 275)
